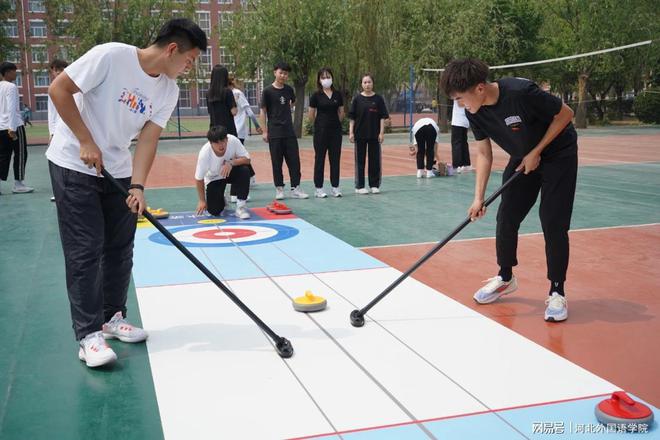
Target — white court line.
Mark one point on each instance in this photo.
(529, 234)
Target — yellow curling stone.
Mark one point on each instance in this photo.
(309, 303)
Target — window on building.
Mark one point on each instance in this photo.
(38, 28)
(19, 79)
(62, 27)
(14, 55)
(224, 20)
(42, 103)
(226, 59)
(41, 78)
(204, 63)
(184, 96)
(36, 6)
(67, 8)
(251, 93)
(225, 2)
(12, 5)
(39, 54)
(63, 53)
(10, 28)
(204, 22)
(204, 1)
(202, 90)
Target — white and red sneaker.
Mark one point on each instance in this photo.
(94, 351)
(119, 328)
(495, 288)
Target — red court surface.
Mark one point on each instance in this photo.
(612, 292)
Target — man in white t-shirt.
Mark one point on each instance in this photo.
(56, 67)
(12, 131)
(222, 160)
(127, 93)
(460, 151)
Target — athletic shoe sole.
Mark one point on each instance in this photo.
(559, 318)
(111, 357)
(125, 338)
(510, 289)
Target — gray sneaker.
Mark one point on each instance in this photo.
(20, 188)
(242, 212)
(94, 351)
(557, 308)
(119, 328)
(495, 288)
(298, 193)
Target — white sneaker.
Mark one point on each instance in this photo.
(52, 199)
(253, 180)
(279, 193)
(298, 193)
(375, 190)
(495, 288)
(361, 191)
(336, 192)
(20, 188)
(429, 174)
(94, 351)
(234, 199)
(557, 308)
(420, 174)
(119, 328)
(319, 193)
(242, 212)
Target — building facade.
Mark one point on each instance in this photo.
(35, 47)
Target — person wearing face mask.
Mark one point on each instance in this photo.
(367, 130)
(326, 110)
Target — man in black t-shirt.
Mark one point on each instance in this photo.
(276, 102)
(535, 128)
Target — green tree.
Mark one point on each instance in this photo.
(93, 22)
(5, 43)
(299, 32)
(577, 26)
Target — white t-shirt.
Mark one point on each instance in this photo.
(209, 165)
(118, 98)
(458, 117)
(10, 114)
(421, 123)
(244, 110)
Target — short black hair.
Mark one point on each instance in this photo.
(6, 66)
(282, 66)
(217, 133)
(58, 64)
(182, 31)
(462, 75)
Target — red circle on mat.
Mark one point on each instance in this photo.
(223, 234)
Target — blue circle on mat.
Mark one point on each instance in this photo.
(283, 232)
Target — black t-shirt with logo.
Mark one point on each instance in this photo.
(277, 103)
(367, 111)
(327, 116)
(520, 118)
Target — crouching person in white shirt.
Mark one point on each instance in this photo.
(222, 160)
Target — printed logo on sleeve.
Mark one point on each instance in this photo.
(514, 123)
(136, 102)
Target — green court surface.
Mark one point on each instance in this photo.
(46, 392)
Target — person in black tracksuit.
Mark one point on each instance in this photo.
(535, 128)
(367, 128)
(276, 102)
(326, 109)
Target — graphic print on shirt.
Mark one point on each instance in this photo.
(282, 100)
(136, 102)
(514, 123)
